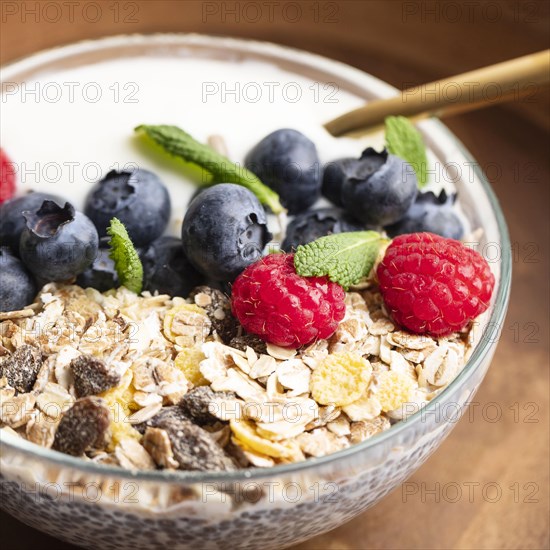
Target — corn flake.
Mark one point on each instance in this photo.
(340, 379)
(188, 362)
(394, 389)
(246, 434)
(120, 401)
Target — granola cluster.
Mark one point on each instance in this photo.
(150, 382)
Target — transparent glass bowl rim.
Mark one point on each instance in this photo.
(432, 126)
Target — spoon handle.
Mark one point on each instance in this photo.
(506, 81)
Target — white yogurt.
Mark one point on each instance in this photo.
(67, 128)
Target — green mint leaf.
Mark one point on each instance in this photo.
(404, 141)
(344, 257)
(180, 144)
(127, 263)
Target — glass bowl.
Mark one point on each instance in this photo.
(95, 505)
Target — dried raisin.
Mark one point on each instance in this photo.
(218, 308)
(21, 368)
(92, 376)
(250, 341)
(195, 404)
(193, 447)
(82, 427)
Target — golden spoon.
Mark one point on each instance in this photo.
(507, 81)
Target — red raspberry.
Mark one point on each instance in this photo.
(7, 178)
(272, 301)
(434, 285)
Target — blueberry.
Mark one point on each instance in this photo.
(58, 243)
(137, 198)
(224, 230)
(334, 176)
(287, 161)
(17, 287)
(380, 189)
(167, 269)
(12, 221)
(196, 193)
(431, 213)
(311, 225)
(102, 274)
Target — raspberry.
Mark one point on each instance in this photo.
(7, 178)
(434, 285)
(272, 301)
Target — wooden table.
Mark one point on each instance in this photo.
(451, 501)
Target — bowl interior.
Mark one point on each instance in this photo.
(96, 135)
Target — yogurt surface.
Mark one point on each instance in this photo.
(67, 128)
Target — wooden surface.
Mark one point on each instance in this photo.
(452, 501)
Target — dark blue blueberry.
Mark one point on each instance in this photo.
(196, 193)
(334, 176)
(17, 286)
(287, 161)
(431, 213)
(12, 221)
(167, 270)
(137, 198)
(224, 230)
(102, 274)
(381, 189)
(311, 225)
(58, 243)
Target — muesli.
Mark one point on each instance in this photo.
(148, 382)
(223, 350)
